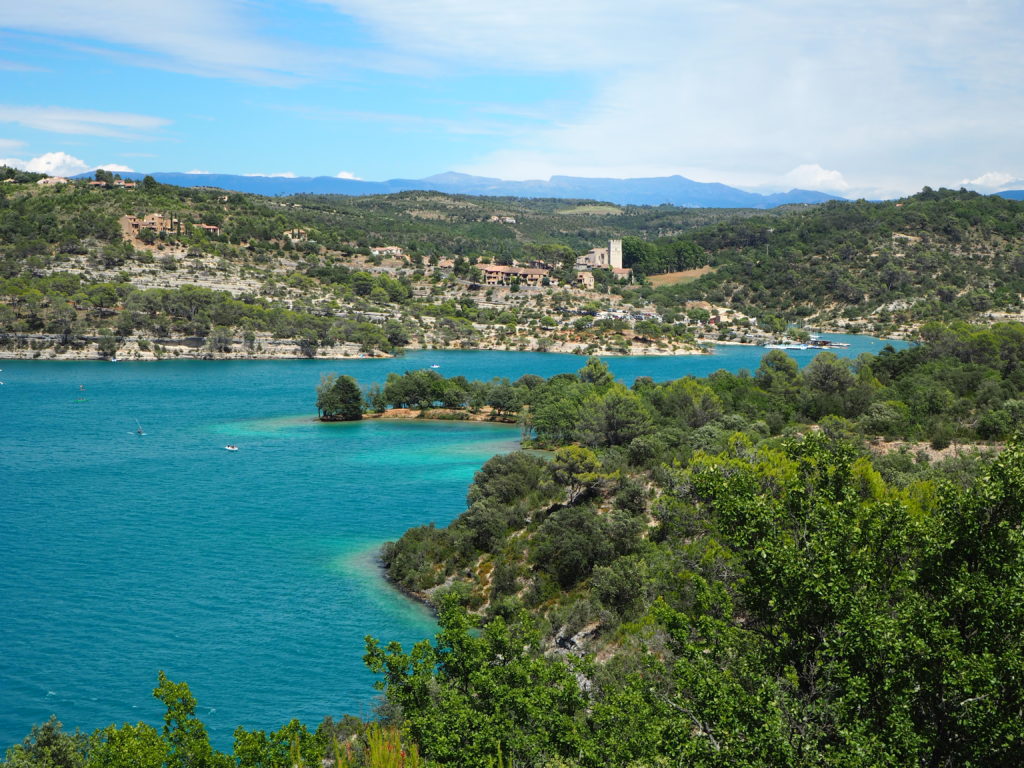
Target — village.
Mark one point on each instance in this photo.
(590, 303)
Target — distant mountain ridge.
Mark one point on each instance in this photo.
(673, 190)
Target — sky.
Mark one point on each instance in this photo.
(867, 99)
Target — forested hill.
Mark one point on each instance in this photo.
(335, 275)
(215, 273)
(937, 255)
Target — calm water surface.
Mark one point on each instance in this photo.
(250, 575)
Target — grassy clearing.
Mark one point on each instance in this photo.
(596, 210)
(677, 278)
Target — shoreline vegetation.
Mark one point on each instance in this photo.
(425, 394)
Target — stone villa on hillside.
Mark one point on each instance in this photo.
(585, 280)
(132, 225)
(497, 274)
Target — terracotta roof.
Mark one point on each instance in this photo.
(501, 269)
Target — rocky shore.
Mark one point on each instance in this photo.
(267, 347)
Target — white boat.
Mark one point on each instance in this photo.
(435, 365)
(230, 447)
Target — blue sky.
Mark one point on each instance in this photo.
(867, 99)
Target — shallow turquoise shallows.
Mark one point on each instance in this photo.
(249, 574)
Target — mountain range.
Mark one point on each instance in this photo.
(673, 190)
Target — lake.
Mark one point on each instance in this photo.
(251, 575)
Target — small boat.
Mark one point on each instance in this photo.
(139, 431)
(435, 365)
(230, 447)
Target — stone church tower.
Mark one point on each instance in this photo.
(615, 254)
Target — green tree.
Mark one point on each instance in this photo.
(596, 372)
(48, 746)
(617, 418)
(503, 398)
(577, 469)
(339, 399)
(130, 746)
(107, 344)
(185, 735)
(470, 694)
(571, 542)
(292, 746)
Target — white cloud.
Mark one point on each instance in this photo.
(994, 181)
(346, 175)
(534, 35)
(51, 163)
(285, 175)
(8, 145)
(17, 66)
(739, 89)
(60, 164)
(195, 171)
(80, 121)
(813, 176)
(204, 37)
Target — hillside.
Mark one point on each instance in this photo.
(878, 267)
(200, 272)
(209, 273)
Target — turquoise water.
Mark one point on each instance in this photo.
(250, 575)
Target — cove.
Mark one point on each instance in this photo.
(250, 575)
